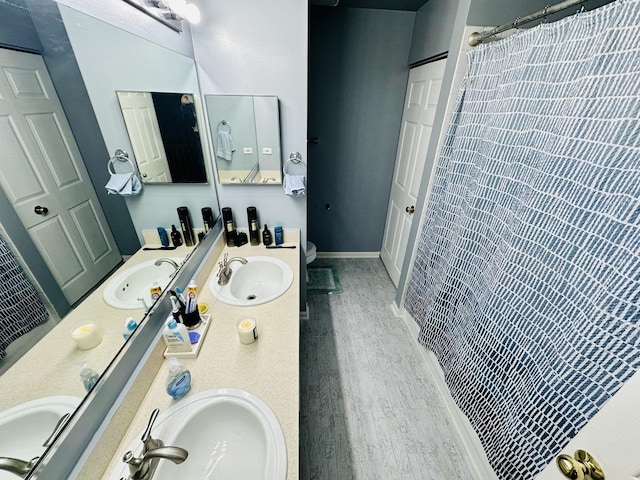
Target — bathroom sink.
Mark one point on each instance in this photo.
(229, 434)
(261, 280)
(27, 426)
(124, 288)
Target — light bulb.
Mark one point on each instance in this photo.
(178, 6)
(192, 13)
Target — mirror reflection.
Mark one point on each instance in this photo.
(164, 133)
(245, 131)
(81, 333)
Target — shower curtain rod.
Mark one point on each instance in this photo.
(476, 38)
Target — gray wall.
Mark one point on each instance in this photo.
(357, 81)
(432, 30)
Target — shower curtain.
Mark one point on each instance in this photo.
(526, 283)
(20, 306)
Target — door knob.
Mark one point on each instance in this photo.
(410, 210)
(582, 466)
(41, 210)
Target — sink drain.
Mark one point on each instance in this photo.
(251, 297)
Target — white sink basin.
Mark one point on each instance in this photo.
(124, 288)
(27, 426)
(229, 434)
(261, 280)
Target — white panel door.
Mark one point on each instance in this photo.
(144, 132)
(612, 437)
(41, 168)
(421, 100)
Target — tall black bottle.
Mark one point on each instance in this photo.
(229, 228)
(254, 229)
(187, 226)
(207, 218)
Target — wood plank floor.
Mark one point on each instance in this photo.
(369, 409)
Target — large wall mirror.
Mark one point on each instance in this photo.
(245, 131)
(164, 133)
(125, 63)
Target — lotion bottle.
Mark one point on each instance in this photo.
(176, 336)
(179, 379)
(129, 326)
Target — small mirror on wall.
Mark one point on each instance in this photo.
(246, 138)
(165, 136)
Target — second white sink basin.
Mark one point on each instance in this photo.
(125, 288)
(261, 280)
(229, 434)
(27, 426)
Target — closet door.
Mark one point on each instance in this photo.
(44, 177)
(419, 111)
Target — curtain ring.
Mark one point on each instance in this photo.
(516, 22)
(544, 13)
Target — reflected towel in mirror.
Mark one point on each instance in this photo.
(124, 184)
(294, 185)
(225, 145)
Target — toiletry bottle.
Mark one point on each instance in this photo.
(179, 379)
(278, 235)
(175, 236)
(176, 336)
(254, 229)
(187, 228)
(192, 296)
(266, 236)
(155, 291)
(207, 218)
(129, 326)
(164, 239)
(89, 377)
(229, 229)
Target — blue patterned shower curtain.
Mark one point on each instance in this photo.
(526, 283)
(20, 306)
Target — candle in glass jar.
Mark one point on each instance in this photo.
(247, 331)
(87, 336)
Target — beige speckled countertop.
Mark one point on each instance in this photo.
(50, 367)
(268, 368)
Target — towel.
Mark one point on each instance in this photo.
(225, 146)
(123, 184)
(294, 185)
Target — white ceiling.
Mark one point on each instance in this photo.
(409, 5)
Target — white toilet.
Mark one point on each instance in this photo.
(311, 255)
(311, 252)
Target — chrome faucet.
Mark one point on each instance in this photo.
(16, 466)
(224, 274)
(153, 451)
(162, 260)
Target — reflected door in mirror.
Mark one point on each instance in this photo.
(165, 136)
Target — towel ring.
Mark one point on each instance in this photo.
(295, 165)
(121, 156)
(222, 124)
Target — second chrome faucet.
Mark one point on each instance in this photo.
(153, 450)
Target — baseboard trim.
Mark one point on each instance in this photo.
(348, 254)
(476, 456)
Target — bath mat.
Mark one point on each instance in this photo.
(323, 280)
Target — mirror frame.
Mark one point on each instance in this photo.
(99, 407)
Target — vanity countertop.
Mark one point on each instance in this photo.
(268, 368)
(51, 366)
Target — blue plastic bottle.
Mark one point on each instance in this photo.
(179, 380)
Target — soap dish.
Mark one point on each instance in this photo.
(195, 348)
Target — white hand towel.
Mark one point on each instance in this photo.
(123, 184)
(294, 185)
(225, 146)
